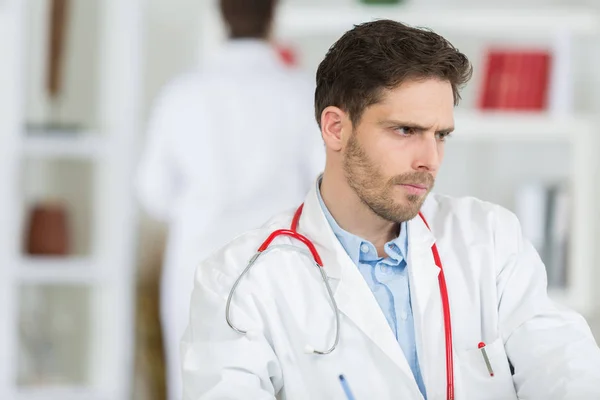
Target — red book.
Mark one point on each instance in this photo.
(516, 80)
(541, 64)
(528, 77)
(493, 70)
(511, 82)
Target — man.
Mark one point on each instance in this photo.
(391, 251)
(227, 146)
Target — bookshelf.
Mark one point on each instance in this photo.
(76, 310)
(81, 145)
(48, 270)
(299, 19)
(515, 127)
(65, 393)
(491, 146)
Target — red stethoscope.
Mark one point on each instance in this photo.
(313, 254)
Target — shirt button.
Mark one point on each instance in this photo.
(364, 248)
(404, 315)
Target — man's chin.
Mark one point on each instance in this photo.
(416, 200)
(412, 205)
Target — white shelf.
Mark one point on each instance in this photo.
(84, 145)
(61, 393)
(518, 127)
(57, 270)
(119, 45)
(308, 20)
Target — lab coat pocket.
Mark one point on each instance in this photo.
(477, 381)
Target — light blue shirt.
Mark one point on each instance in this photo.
(388, 280)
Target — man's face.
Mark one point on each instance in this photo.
(394, 153)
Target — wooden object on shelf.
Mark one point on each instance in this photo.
(58, 27)
(48, 230)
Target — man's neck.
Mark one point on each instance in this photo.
(353, 216)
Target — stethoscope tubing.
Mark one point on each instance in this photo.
(324, 277)
(316, 260)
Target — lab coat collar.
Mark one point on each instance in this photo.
(423, 271)
(352, 294)
(426, 302)
(314, 225)
(245, 53)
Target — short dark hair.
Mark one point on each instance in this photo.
(381, 55)
(248, 18)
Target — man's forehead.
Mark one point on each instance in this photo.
(414, 90)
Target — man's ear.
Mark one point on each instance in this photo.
(332, 127)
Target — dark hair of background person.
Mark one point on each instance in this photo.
(248, 19)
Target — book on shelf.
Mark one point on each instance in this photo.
(543, 210)
(516, 80)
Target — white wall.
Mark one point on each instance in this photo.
(171, 41)
(172, 30)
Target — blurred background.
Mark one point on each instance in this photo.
(80, 261)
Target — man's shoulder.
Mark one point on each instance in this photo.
(452, 204)
(227, 263)
(179, 90)
(467, 209)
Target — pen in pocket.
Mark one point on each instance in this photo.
(485, 358)
(346, 388)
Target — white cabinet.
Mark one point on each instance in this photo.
(67, 330)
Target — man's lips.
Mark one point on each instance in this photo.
(416, 186)
(412, 188)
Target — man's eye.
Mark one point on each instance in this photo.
(405, 131)
(443, 135)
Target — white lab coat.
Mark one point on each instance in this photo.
(226, 147)
(497, 289)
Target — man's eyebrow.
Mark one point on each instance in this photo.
(414, 125)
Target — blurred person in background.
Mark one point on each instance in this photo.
(226, 147)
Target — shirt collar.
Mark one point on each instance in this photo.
(245, 53)
(396, 249)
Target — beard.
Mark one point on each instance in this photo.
(376, 191)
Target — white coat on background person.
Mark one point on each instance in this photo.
(226, 147)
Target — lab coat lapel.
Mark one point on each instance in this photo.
(352, 294)
(427, 308)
